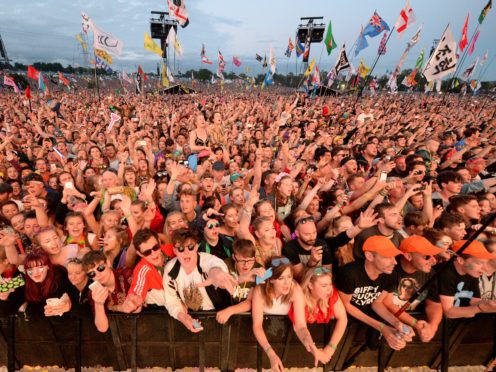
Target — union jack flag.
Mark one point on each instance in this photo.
(382, 46)
(375, 26)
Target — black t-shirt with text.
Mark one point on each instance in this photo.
(353, 279)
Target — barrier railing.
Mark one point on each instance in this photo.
(155, 339)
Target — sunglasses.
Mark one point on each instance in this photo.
(101, 268)
(279, 261)
(148, 252)
(190, 247)
(304, 220)
(37, 269)
(210, 226)
(321, 271)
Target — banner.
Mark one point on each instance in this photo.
(177, 10)
(151, 45)
(443, 61)
(105, 41)
(104, 55)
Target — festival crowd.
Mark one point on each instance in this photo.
(264, 202)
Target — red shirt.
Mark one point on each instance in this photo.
(318, 314)
(145, 278)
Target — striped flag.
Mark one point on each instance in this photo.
(289, 49)
(382, 46)
(7, 80)
(299, 48)
(472, 45)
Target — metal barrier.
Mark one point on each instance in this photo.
(155, 339)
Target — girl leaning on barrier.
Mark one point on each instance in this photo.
(322, 304)
(275, 297)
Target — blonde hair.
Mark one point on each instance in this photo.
(311, 303)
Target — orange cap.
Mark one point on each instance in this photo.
(475, 249)
(382, 245)
(419, 244)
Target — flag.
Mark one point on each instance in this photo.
(222, 64)
(470, 70)
(258, 57)
(268, 79)
(443, 61)
(306, 50)
(485, 10)
(152, 46)
(363, 70)
(373, 85)
(310, 67)
(220, 74)
(382, 46)
(409, 80)
(204, 57)
(7, 80)
(272, 60)
(79, 38)
(264, 65)
(464, 40)
(474, 40)
(316, 77)
(331, 76)
(299, 48)
(126, 77)
(100, 63)
(484, 58)
(174, 41)
(375, 26)
(342, 62)
(361, 43)
(41, 83)
(420, 60)
(104, 55)
(406, 18)
(33, 73)
(142, 74)
(329, 39)
(177, 11)
(86, 25)
(114, 118)
(169, 74)
(105, 41)
(289, 48)
(415, 38)
(236, 61)
(63, 80)
(27, 92)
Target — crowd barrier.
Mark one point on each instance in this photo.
(155, 339)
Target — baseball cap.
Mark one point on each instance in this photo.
(475, 249)
(235, 176)
(218, 166)
(382, 245)
(419, 244)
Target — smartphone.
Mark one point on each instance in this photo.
(115, 190)
(383, 177)
(437, 202)
(141, 143)
(196, 324)
(387, 158)
(53, 167)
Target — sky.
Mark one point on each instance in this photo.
(44, 30)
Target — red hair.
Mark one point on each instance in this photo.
(39, 292)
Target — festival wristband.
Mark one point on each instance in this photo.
(412, 324)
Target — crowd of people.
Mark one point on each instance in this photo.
(317, 209)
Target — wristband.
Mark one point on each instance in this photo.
(267, 349)
(332, 346)
(412, 324)
(381, 327)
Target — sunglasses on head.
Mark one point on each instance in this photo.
(212, 225)
(321, 271)
(279, 261)
(181, 249)
(100, 269)
(148, 252)
(304, 220)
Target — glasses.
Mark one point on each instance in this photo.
(427, 258)
(321, 271)
(210, 226)
(181, 249)
(276, 262)
(304, 220)
(244, 262)
(37, 269)
(148, 252)
(101, 268)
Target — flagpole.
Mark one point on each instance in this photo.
(484, 69)
(96, 78)
(366, 79)
(464, 55)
